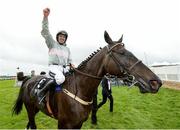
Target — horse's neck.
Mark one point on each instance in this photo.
(88, 85)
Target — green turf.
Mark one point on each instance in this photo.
(131, 110)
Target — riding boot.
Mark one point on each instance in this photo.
(41, 94)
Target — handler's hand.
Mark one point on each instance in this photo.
(46, 12)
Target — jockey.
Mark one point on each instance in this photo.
(59, 55)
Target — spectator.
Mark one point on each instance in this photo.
(106, 93)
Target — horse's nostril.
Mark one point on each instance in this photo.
(154, 84)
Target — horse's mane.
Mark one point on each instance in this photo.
(84, 62)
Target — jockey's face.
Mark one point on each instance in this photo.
(61, 39)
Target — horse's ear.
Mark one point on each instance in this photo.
(107, 38)
(121, 39)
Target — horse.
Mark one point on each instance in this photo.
(72, 106)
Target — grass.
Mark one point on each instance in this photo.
(132, 110)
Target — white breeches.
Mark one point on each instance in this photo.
(56, 72)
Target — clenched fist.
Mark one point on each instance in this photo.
(46, 12)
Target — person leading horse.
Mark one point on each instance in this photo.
(106, 92)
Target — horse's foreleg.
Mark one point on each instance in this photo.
(94, 110)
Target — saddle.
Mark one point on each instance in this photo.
(45, 106)
(38, 86)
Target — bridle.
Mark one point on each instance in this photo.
(110, 52)
(122, 68)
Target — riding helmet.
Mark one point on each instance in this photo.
(62, 33)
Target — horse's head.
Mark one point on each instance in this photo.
(120, 61)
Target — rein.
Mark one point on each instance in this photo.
(74, 96)
(88, 75)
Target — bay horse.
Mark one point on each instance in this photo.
(73, 106)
